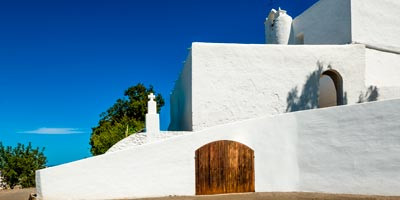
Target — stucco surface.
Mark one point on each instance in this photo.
(326, 22)
(383, 72)
(368, 22)
(376, 22)
(167, 167)
(181, 99)
(142, 138)
(340, 153)
(347, 149)
(382, 69)
(232, 82)
(278, 27)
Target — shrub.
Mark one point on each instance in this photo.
(18, 165)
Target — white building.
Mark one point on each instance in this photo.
(233, 126)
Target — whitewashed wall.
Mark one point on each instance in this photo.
(142, 138)
(348, 149)
(350, 21)
(382, 68)
(326, 22)
(383, 71)
(168, 167)
(181, 99)
(232, 82)
(376, 22)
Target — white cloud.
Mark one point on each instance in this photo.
(54, 131)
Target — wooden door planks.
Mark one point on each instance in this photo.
(224, 167)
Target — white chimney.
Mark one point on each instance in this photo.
(278, 27)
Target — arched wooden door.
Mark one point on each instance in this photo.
(224, 167)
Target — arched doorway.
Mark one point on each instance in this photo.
(224, 167)
(330, 89)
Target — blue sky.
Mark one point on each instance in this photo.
(64, 62)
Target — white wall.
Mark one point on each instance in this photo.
(382, 69)
(351, 149)
(326, 22)
(142, 138)
(351, 21)
(376, 22)
(347, 149)
(181, 99)
(168, 167)
(233, 82)
(383, 72)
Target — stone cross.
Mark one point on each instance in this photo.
(152, 118)
(151, 97)
(151, 104)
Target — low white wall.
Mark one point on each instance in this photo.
(376, 22)
(352, 149)
(168, 167)
(141, 139)
(233, 82)
(347, 149)
(326, 22)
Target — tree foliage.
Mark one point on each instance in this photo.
(18, 165)
(126, 113)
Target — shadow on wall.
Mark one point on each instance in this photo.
(372, 94)
(308, 99)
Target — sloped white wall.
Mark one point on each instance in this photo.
(326, 22)
(168, 167)
(348, 149)
(138, 139)
(232, 82)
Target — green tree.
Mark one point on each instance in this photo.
(18, 164)
(125, 117)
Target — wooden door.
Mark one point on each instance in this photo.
(224, 167)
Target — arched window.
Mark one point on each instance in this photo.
(330, 89)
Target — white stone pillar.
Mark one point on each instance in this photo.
(152, 118)
(278, 27)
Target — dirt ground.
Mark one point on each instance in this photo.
(277, 196)
(17, 194)
(23, 194)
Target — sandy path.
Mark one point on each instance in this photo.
(23, 194)
(17, 194)
(278, 196)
